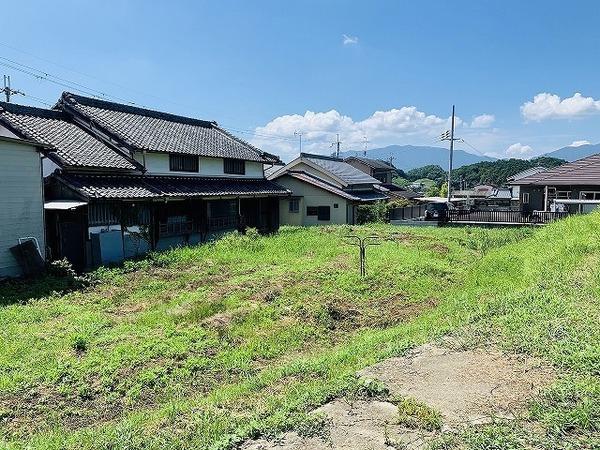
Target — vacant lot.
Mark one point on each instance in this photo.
(206, 347)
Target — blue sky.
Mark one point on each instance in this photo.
(387, 70)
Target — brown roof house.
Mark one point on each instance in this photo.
(573, 187)
(121, 180)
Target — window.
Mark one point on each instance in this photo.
(295, 205)
(335, 205)
(312, 211)
(526, 198)
(590, 195)
(234, 166)
(324, 213)
(183, 163)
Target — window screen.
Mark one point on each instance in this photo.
(183, 163)
(295, 205)
(234, 166)
(324, 213)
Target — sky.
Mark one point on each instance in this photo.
(522, 74)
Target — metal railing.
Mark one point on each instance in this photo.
(223, 223)
(498, 216)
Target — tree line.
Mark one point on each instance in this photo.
(494, 173)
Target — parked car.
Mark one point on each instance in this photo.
(437, 211)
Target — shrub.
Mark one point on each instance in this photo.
(375, 212)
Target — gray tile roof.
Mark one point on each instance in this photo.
(341, 169)
(144, 129)
(373, 163)
(585, 171)
(73, 146)
(322, 184)
(148, 187)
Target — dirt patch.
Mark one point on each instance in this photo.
(469, 386)
(465, 387)
(382, 312)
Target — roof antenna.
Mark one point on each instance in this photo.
(8, 91)
(366, 144)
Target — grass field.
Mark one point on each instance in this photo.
(207, 346)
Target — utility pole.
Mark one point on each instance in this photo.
(299, 134)
(449, 136)
(337, 144)
(7, 90)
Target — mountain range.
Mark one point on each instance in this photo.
(407, 157)
(572, 153)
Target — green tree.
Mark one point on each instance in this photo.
(433, 172)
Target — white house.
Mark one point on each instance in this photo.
(325, 190)
(22, 200)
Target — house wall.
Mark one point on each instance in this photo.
(310, 196)
(21, 202)
(158, 164)
(536, 198)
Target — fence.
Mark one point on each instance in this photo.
(509, 217)
(408, 212)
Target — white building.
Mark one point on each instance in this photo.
(22, 200)
(325, 190)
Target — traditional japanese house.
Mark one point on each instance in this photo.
(122, 180)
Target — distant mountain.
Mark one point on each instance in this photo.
(407, 157)
(573, 153)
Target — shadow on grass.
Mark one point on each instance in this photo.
(24, 290)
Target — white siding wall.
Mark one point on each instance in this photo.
(158, 164)
(21, 201)
(310, 196)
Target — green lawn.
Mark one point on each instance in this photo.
(206, 346)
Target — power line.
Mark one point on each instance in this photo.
(43, 75)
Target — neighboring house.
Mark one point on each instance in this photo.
(574, 186)
(376, 168)
(22, 201)
(325, 190)
(515, 189)
(129, 179)
(383, 172)
(484, 197)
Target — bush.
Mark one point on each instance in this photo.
(63, 270)
(378, 212)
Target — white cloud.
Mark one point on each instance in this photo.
(483, 121)
(399, 125)
(519, 150)
(551, 106)
(579, 143)
(349, 40)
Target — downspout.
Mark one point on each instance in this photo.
(545, 198)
